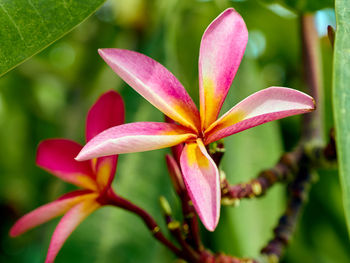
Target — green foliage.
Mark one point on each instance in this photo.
(309, 5)
(28, 26)
(341, 97)
(304, 5)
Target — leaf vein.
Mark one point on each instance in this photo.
(13, 22)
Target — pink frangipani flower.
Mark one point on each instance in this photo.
(94, 176)
(221, 51)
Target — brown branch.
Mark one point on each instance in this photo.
(298, 192)
(281, 172)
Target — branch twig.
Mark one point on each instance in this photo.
(147, 218)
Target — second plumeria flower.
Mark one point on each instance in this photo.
(95, 176)
(221, 50)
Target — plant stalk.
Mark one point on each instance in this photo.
(151, 224)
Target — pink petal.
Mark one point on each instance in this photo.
(263, 106)
(57, 157)
(67, 224)
(177, 149)
(222, 48)
(134, 137)
(201, 177)
(155, 83)
(107, 112)
(49, 211)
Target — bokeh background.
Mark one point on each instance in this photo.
(49, 95)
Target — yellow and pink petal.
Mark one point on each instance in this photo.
(222, 48)
(49, 211)
(155, 83)
(57, 157)
(67, 224)
(201, 177)
(135, 137)
(105, 170)
(107, 112)
(263, 106)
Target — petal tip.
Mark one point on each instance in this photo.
(14, 231)
(104, 52)
(101, 51)
(314, 106)
(211, 226)
(80, 157)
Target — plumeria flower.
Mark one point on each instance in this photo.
(95, 177)
(221, 51)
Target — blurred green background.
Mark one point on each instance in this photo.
(49, 95)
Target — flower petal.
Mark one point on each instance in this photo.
(201, 177)
(107, 112)
(176, 150)
(155, 83)
(134, 137)
(222, 48)
(263, 106)
(105, 171)
(49, 211)
(67, 224)
(57, 157)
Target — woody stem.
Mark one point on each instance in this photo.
(147, 219)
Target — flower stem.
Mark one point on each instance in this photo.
(175, 229)
(147, 218)
(191, 221)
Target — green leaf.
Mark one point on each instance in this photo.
(303, 5)
(28, 26)
(341, 98)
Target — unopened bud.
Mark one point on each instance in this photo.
(175, 174)
(257, 189)
(230, 201)
(164, 204)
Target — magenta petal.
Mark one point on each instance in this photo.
(155, 83)
(57, 157)
(222, 48)
(263, 106)
(67, 225)
(202, 180)
(47, 212)
(134, 137)
(107, 112)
